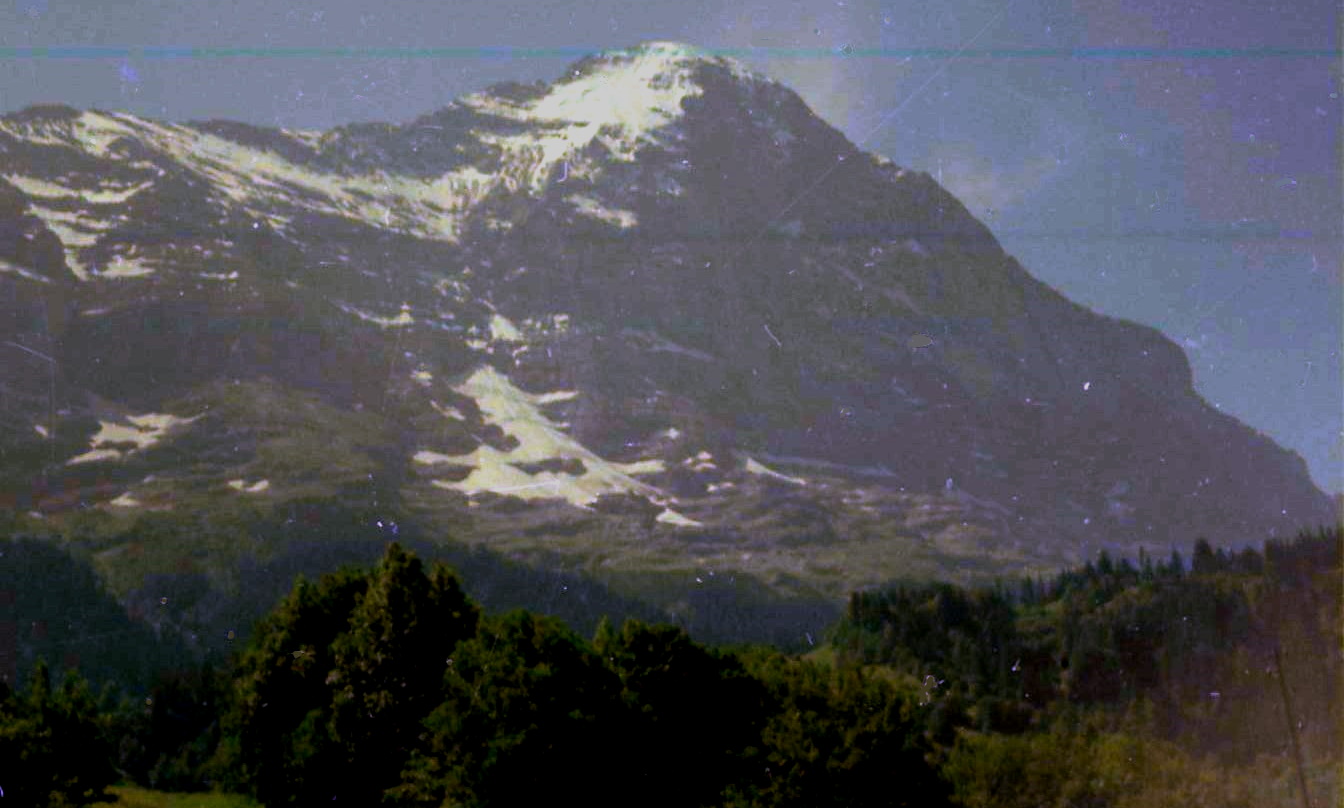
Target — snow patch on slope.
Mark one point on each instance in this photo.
(402, 319)
(254, 488)
(502, 329)
(5, 266)
(704, 461)
(671, 517)
(123, 267)
(591, 208)
(753, 467)
(107, 194)
(75, 233)
(144, 431)
(839, 468)
(518, 414)
(76, 229)
(447, 412)
(258, 181)
(654, 466)
(427, 458)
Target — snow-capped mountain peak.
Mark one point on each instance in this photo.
(547, 306)
(623, 100)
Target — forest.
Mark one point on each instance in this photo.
(1208, 681)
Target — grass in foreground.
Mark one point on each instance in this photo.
(136, 797)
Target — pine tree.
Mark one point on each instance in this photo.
(1204, 561)
(279, 682)
(1175, 566)
(388, 668)
(1146, 572)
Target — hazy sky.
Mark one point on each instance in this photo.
(1177, 164)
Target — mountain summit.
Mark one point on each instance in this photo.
(653, 316)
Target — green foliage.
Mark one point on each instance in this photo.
(528, 705)
(674, 689)
(135, 797)
(327, 699)
(275, 690)
(388, 667)
(840, 737)
(53, 743)
(387, 686)
(167, 741)
(63, 611)
(1065, 768)
(1204, 649)
(936, 629)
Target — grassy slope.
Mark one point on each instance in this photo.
(135, 797)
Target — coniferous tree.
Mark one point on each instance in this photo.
(273, 730)
(387, 669)
(1175, 565)
(1146, 571)
(1204, 561)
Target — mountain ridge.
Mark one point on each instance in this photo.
(655, 315)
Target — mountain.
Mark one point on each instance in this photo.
(655, 322)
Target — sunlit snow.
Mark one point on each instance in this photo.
(145, 431)
(653, 466)
(671, 517)
(504, 330)
(428, 458)
(5, 266)
(74, 231)
(402, 319)
(448, 412)
(590, 207)
(95, 455)
(658, 343)
(123, 267)
(106, 194)
(557, 395)
(256, 180)
(622, 103)
(753, 467)
(254, 488)
(626, 101)
(701, 462)
(518, 414)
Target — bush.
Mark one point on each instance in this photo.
(54, 748)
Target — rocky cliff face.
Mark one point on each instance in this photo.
(654, 315)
